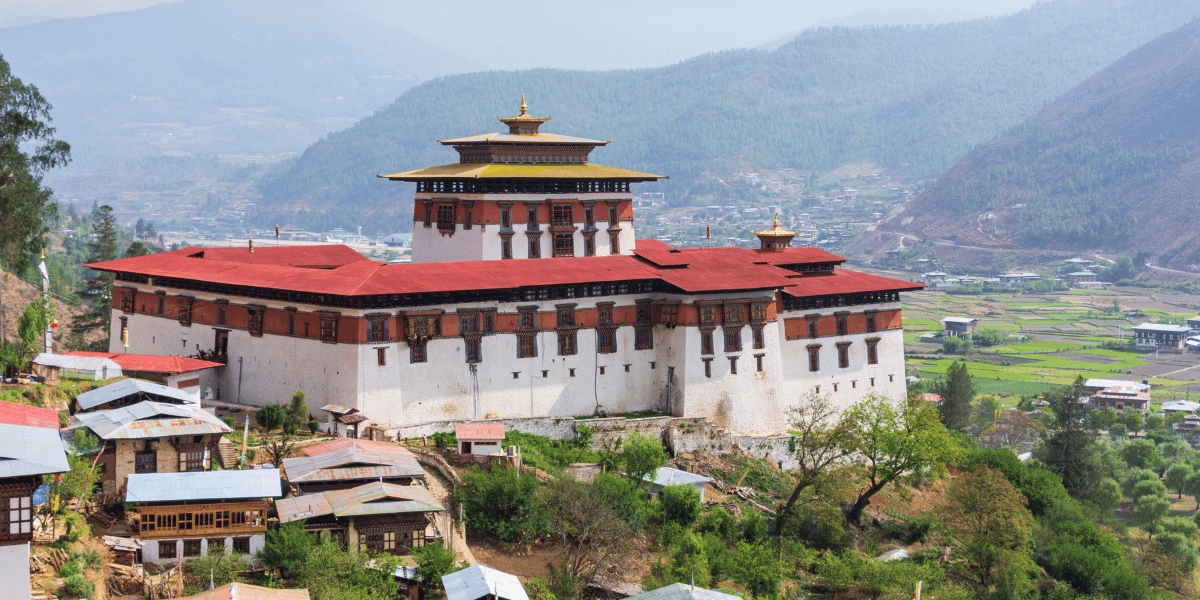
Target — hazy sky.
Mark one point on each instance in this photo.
(625, 33)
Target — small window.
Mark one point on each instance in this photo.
(564, 244)
(291, 321)
(329, 327)
(707, 367)
(708, 315)
(643, 338)
(416, 352)
(446, 217)
(758, 312)
(474, 353)
(562, 215)
(759, 360)
(566, 343)
(241, 545)
(614, 215)
(589, 217)
(256, 321)
(706, 342)
(841, 325)
(589, 245)
(812, 329)
(733, 313)
(814, 358)
(191, 548)
(606, 341)
(872, 352)
(506, 217)
(168, 549)
(185, 312)
(733, 340)
(162, 303)
(223, 313)
(566, 316)
(531, 217)
(377, 330)
(506, 248)
(381, 356)
(871, 328)
(843, 356)
(733, 365)
(535, 247)
(145, 462)
(614, 243)
(643, 311)
(604, 313)
(527, 318)
(759, 342)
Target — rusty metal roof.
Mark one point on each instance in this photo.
(349, 464)
(245, 591)
(356, 444)
(375, 498)
(151, 420)
(338, 410)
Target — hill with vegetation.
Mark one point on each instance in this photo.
(1110, 164)
(912, 99)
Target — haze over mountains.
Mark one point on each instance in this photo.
(1113, 163)
(912, 100)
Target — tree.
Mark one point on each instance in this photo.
(27, 150)
(287, 548)
(756, 567)
(1169, 562)
(137, 249)
(96, 291)
(1107, 495)
(331, 572)
(591, 533)
(1013, 429)
(680, 504)
(1191, 487)
(1132, 420)
(502, 503)
(297, 411)
(1154, 422)
(79, 481)
(270, 417)
(1151, 509)
(1070, 450)
(31, 327)
(433, 561)
(220, 567)
(642, 455)
(957, 393)
(990, 517)
(894, 441)
(1176, 477)
(822, 437)
(1142, 454)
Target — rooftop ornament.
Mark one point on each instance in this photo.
(523, 123)
(775, 239)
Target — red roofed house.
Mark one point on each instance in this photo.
(479, 438)
(12, 413)
(528, 296)
(192, 375)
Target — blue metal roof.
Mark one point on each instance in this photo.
(151, 420)
(477, 581)
(130, 387)
(28, 450)
(203, 485)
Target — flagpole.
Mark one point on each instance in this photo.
(49, 337)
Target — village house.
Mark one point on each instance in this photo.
(343, 421)
(29, 448)
(192, 375)
(351, 466)
(1161, 337)
(48, 367)
(478, 582)
(1181, 406)
(245, 591)
(1120, 398)
(1080, 277)
(479, 438)
(666, 476)
(377, 516)
(527, 296)
(963, 327)
(131, 391)
(151, 437)
(1193, 324)
(682, 591)
(185, 515)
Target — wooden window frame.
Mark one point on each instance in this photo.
(447, 217)
(813, 325)
(381, 356)
(418, 352)
(604, 313)
(329, 327)
(534, 244)
(708, 314)
(241, 545)
(145, 461)
(473, 349)
(531, 218)
(527, 317)
(614, 243)
(16, 515)
(873, 351)
(872, 321)
(734, 313)
(643, 338)
(759, 339)
(606, 341)
(843, 355)
(562, 215)
(377, 328)
(255, 323)
(843, 324)
(733, 339)
(223, 313)
(163, 545)
(527, 345)
(185, 310)
(192, 548)
(567, 343)
(564, 245)
(706, 342)
(127, 299)
(814, 358)
(733, 365)
(565, 315)
(160, 306)
(589, 243)
(291, 320)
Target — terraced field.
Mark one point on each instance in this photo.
(1052, 338)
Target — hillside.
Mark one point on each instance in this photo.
(912, 99)
(1110, 164)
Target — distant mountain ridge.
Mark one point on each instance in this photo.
(1114, 163)
(912, 99)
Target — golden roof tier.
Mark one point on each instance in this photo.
(775, 239)
(523, 144)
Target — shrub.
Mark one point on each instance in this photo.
(314, 426)
(270, 417)
(76, 586)
(680, 504)
(754, 527)
(290, 428)
(502, 503)
(229, 422)
(719, 522)
(433, 561)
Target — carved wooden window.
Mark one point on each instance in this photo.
(758, 359)
(168, 549)
(476, 322)
(329, 329)
(759, 341)
(185, 521)
(161, 306)
(843, 355)
(527, 317)
(733, 365)
(614, 243)
(708, 315)
(191, 548)
(445, 217)
(706, 342)
(222, 312)
(424, 326)
(506, 217)
(428, 221)
(733, 340)
(535, 247)
(589, 217)
(589, 244)
(842, 327)
(416, 352)
(707, 367)
(562, 215)
(643, 338)
(505, 248)
(377, 328)
(566, 315)
(643, 311)
(16, 515)
(813, 331)
(127, 300)
(814, 358)
(873, 351)
(669, 313)
(166, 521)
(381, 356)
(185, 312)
(291, 321)
(241, 545)
(531, 217)
(526, 346)
(871, 325)
(474, 352)
(564, 244)
(191, 457)
(256, 321)
(606, 341)
(145, 462)
(614, 215)
(604, 313)
(758, 312)
(734, 313)
(566, 343)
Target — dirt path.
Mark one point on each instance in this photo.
(441, 489)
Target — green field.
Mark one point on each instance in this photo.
(1064, 332)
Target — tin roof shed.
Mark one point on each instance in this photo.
(478, 581)
(138, 389)
(151, 420)
(203, 485)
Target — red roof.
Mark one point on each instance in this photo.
(320, 256)
(151, 362)
(352, 443)
(479, 431)
(695, 270)
(12, 413)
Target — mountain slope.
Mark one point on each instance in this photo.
(1112, 163)
(913, 99)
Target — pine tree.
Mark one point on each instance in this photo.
(96, 290)
(957, 391)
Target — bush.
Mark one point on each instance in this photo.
(629, 502)
(290, 428)
(718, 521)
(270, 417)
(314, 426)
(503, 504)
(680, 504)
(228, 421)
(76, 586)
(754, 527)
(433, 561)
(988, 337)
(220, 567)
(957, 345)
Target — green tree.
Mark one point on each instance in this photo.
(503, 504)
(1141, 454)
(1071, 450)
(1107, 495)
(592, 533)
(96, 290)
(642, 455)
(822, 436)
(27, 150)
(990, 517)
(31, 329)
(1154, 422)
(894, 441)
(287, 548)
(137, 249)
(270, 417)
(433, 561)
(1191, 487)
(1132, 420)
(680, 504)
(297, 411)
(80, 481)
(330, 572)
(1118, 431)
(1151, 510)
(220, 567)
(1176, 477)
(757, 568)
(958, 392)
(1103, 419)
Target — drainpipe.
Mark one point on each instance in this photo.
(239, 397)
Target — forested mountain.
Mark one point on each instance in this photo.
(912, 99)
(149, 94)
(1113, 163)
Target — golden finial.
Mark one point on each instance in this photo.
(777, 219)
(43, 254)
(523, 109)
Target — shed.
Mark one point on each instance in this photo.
(680, 591)
(479, 438)
(51, 367)
(132, 391)
(348, 467)
(181, 372)
(666, 476)
(477, 581)
(1183, 406)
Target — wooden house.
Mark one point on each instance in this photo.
(375, 516)
(350, 467)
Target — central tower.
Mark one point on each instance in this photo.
(522, 194)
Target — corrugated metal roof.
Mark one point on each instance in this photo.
(13, 413)
(79, 363)
(479, 431)
(338, 410)
(354, 444)
(151, 362)
(477, 581)
(245, 591)
(28, 450)
(1181, 405)
(1106, 383)
(522, 171)
(375, 498)
(131, 387)
(348, 464)
(150, 420)
(203, 485)
(966, 320)
(680, 591)
(665, 476)
(1162, 327)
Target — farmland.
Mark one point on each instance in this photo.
(1050, 338)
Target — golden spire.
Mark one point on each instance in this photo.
(523, 123)
(523, 109)
(775, 239)
(43, 254)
